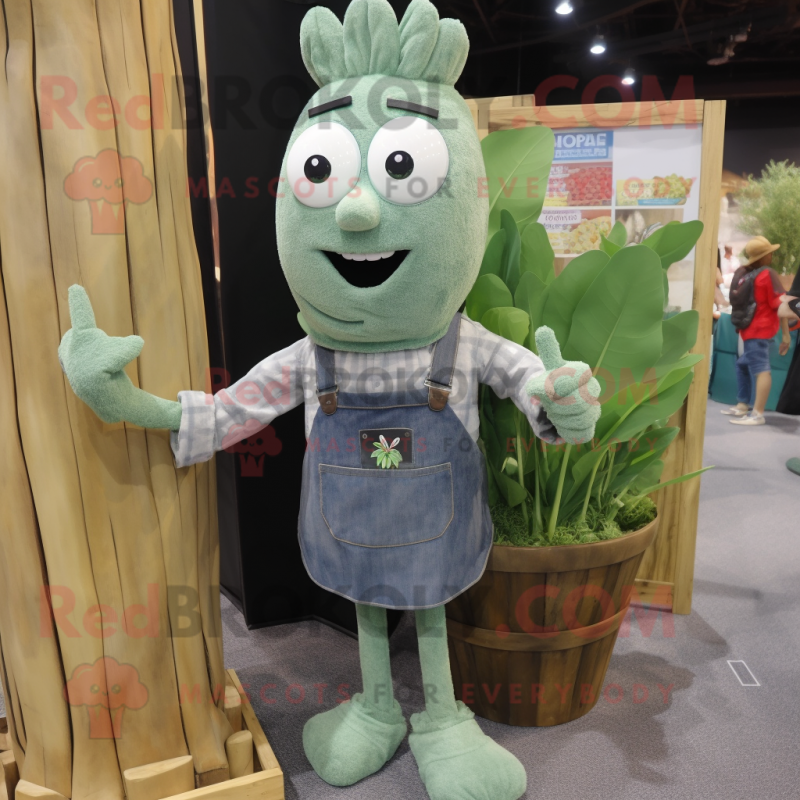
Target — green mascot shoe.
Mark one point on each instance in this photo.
(458, 761)
(353, 740)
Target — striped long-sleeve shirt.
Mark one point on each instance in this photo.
(285, 379)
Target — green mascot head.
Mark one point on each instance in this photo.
(381, 226)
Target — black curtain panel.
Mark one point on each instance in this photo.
(257, 86)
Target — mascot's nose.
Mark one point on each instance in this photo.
(359, 210)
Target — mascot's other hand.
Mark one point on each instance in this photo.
(93, 361)
(567, 391)
(94, 364)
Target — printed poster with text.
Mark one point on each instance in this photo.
(642, 177)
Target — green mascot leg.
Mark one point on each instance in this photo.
(357, 738)
(456, 760)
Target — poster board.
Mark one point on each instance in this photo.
(683, 139)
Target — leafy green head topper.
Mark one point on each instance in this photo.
(381, 225)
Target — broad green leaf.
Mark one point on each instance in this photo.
(650, 476)
(585, 463)
(517, 168)
(679, 334)
(531, 296)
(647, 449)
(494, 490)
(654, 443)
(582, 469)
(537, 253)
(568, 289)
(511, 489)
(609, 247)
(635, 389)
(505, 419)
(488, 292)
(641, 417)
(655, 237)
(493, 253)
(489, 435)
(509, 261)
(681, 479)
(618, 235)
(510, 323)
(674, 241)
(617, 323)
(671, 374)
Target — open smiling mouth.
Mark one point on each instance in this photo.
(366, 269)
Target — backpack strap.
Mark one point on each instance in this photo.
(327, 390)
(443, 364)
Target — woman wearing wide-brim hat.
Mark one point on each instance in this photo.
(755, 297)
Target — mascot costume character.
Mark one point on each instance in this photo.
(381, 230)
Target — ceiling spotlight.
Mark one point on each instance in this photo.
(598, 45)
(629, 77)
(564, 8)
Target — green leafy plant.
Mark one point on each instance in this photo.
(387, 456)
(770, 206)
(606, 308)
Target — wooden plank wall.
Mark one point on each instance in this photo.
(98, 511)
(667, 572)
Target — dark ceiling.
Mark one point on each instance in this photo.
(516, 44)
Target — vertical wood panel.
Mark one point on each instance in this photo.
(704, 284)
(100, 509)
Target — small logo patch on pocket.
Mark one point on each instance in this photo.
(387, 448)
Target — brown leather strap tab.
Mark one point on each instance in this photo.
(437, 398)
(328, 402)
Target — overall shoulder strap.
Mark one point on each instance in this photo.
(443, 364)
(327, 389)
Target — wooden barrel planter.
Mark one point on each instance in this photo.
(530, 642)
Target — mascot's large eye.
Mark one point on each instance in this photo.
(407, 160)
(399, 165)
(317, 169)
(323, 164)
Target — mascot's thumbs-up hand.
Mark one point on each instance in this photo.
(94, 364)
(567, 391)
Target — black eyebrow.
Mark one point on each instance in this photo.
(330, 105)
(404, 105)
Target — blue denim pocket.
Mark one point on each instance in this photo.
(386, 508)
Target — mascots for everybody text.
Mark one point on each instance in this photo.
(381, 230)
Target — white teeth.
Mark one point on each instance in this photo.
(367, 256)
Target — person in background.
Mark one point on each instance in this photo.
(729, 263)
(719, 298)
(789, 402)
(754, 283)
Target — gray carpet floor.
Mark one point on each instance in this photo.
(712, 738)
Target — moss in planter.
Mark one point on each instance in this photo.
(635, 515)
(510, 527)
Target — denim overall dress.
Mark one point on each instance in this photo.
(400, 531)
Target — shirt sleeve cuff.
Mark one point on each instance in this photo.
(546, 430)
(195, 440)
(540, 422)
